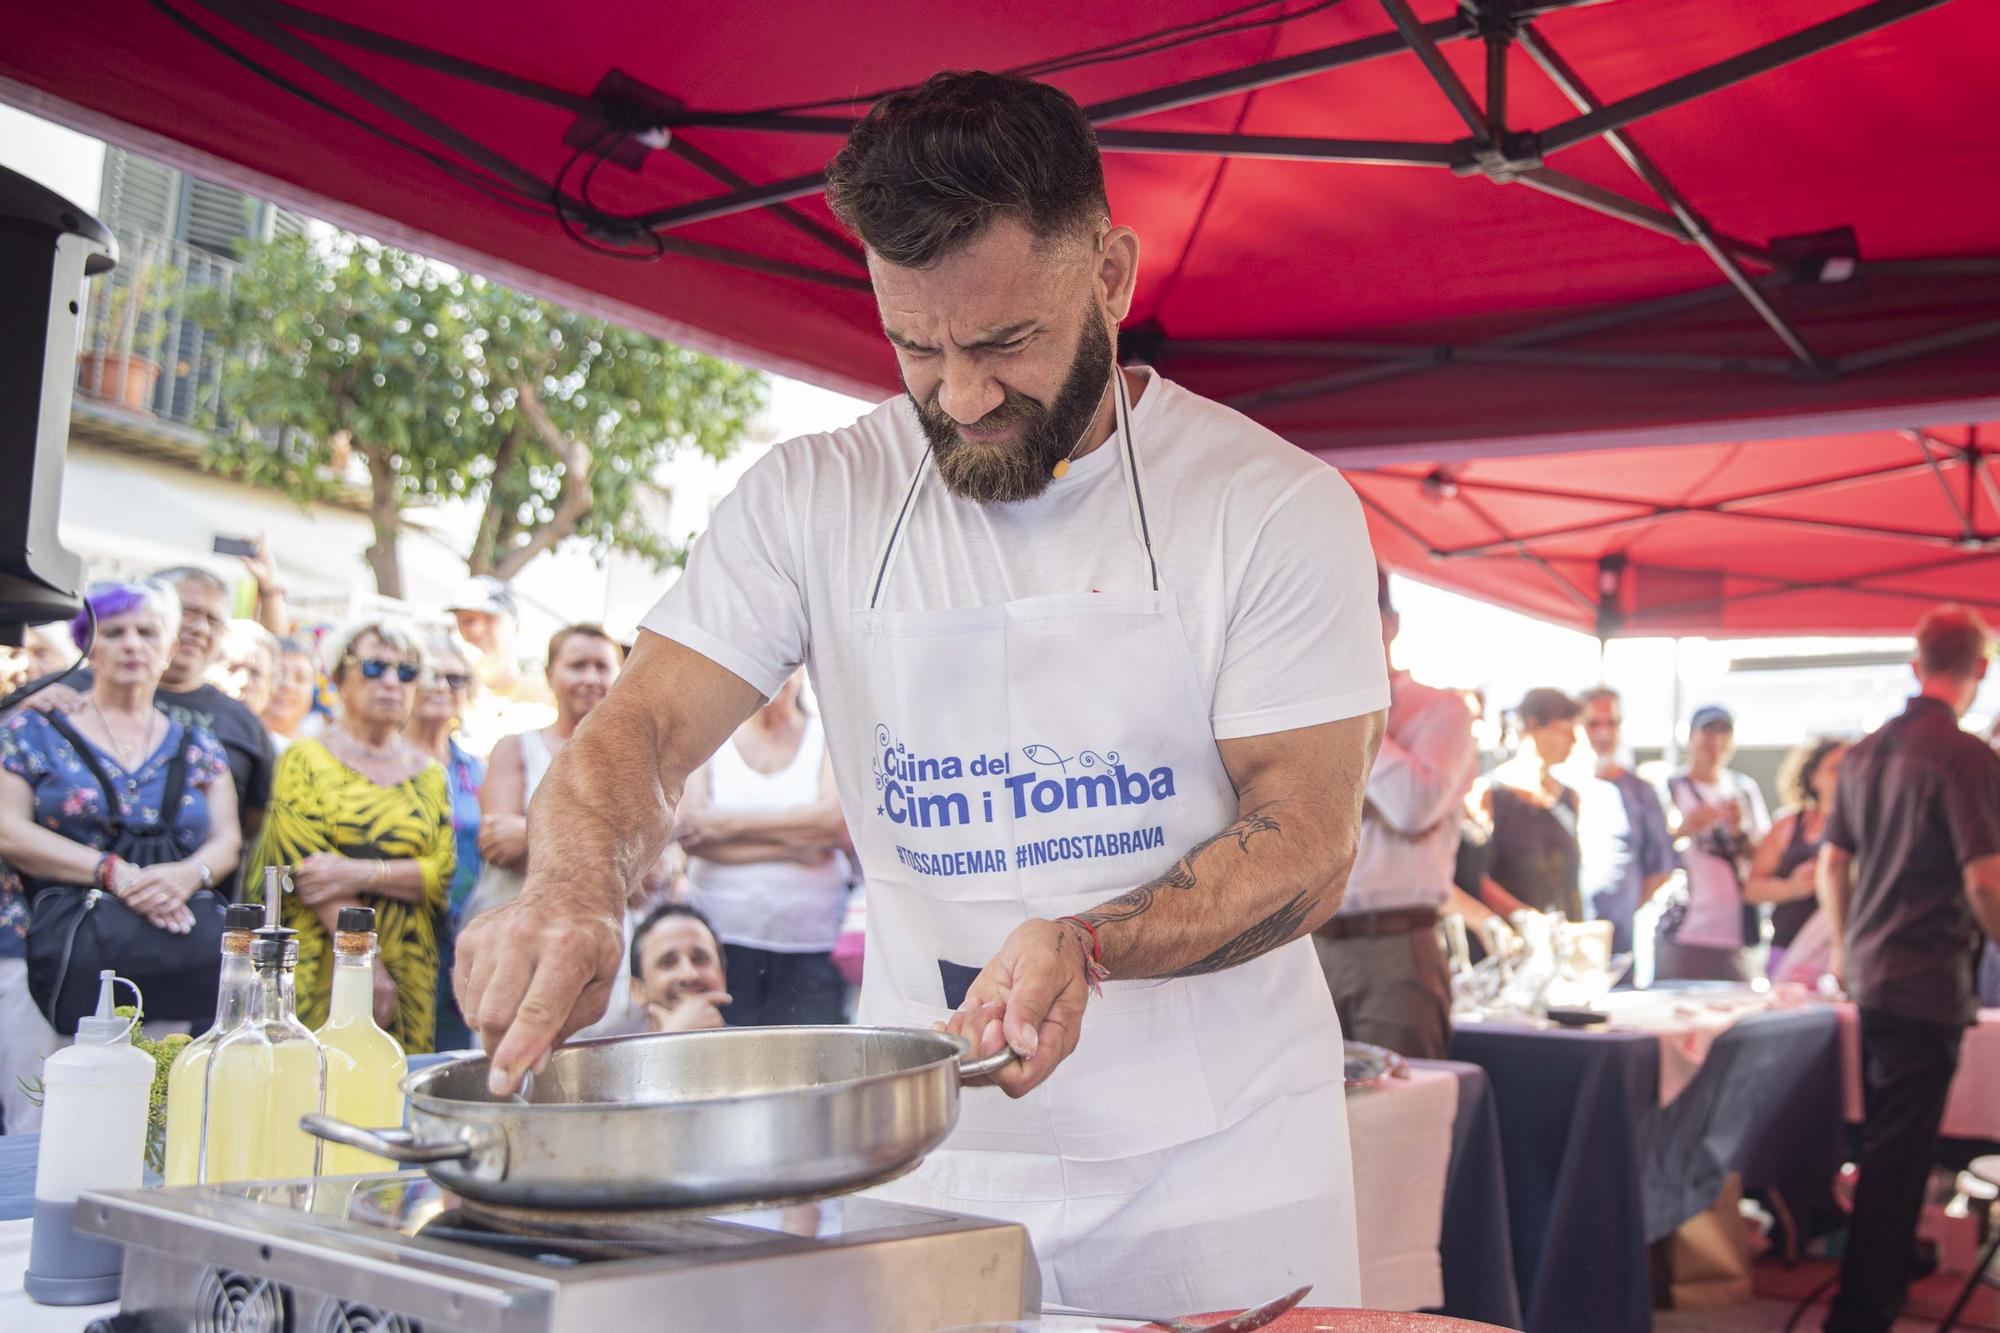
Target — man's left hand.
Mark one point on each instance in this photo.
(1036, 988)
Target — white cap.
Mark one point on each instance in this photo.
(105, 1027)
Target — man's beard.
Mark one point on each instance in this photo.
(1021, 468)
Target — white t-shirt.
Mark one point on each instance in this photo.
(1263, 545)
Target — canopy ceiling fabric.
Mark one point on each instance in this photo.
(1388, 236)
(1841, 534)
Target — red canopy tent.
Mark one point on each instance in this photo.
(1403, 238)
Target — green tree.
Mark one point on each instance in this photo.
(446, 386)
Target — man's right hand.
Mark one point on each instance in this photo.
(530, 973)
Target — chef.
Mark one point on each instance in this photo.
(1102, 680)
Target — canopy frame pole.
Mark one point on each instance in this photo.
(1487, 354)
(1572, 86)
(1440, 70)
(1967, 532)
(1854, 583)
(1725, 73)
(1728, 507)
(1577, 327)
(1981, 467)
(1528, 554)
(785, 213)
(1921, 346)
(1397, 523)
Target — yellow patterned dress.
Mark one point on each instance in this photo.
(319, 804)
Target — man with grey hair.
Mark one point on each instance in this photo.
(1909, 875)
(186, 696)
(1627, 851)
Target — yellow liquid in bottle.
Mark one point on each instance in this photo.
(364, 1064)
(186, 1083)
(187, 1080)
(257, 1091)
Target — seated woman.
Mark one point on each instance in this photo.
(677, 970)
(363, 818)
(121, 797)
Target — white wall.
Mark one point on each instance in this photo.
(69, 163)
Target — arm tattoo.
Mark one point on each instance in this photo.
(1181, 874)
(1260, 939)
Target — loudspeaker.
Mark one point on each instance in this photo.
(48, 246)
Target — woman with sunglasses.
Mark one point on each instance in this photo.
(444, 692)
(361, 817)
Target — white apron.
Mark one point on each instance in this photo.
(1032, 759)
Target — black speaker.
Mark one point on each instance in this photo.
(48, 246)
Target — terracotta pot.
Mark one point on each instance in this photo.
(125, 380)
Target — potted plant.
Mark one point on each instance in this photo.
(123, 365)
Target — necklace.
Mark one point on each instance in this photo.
(396, 751)
(1061, 469)
(126, 756)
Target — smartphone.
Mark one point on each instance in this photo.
(234, 545)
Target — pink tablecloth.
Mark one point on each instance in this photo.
(1973, 1112)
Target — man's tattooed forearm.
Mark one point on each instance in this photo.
(1181, 874)
(1274, 930)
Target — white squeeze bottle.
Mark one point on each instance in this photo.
(187, 1081)
(364, 1064)
(96, 1095)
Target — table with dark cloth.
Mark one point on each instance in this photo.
(1596, 1169)
(1475, 1246)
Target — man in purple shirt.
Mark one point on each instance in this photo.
(1909, 874)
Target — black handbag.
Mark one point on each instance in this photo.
(75, 931)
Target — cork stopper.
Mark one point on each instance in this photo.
(237, 924)
(354, 930)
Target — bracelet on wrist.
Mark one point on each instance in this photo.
(201, 868)
(1095, 974)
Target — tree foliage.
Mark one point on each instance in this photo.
(444, 386)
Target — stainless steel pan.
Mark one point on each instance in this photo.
(684, 1120)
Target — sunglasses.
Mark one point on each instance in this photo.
(374, 668)
(456, 680)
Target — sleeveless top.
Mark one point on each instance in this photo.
(535, 760)
(1533, 852)
(1788, 918)
(780, 906)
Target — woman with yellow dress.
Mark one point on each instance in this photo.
(360, 817)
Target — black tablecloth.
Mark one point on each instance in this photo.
(1475, 1248)
(1596, 1169)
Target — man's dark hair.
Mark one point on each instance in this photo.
(661, 913)
(928, 169)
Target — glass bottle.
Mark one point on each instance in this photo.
(187, 1081)
(268, 1072)
(364, 1064)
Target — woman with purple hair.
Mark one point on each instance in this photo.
(118, 797)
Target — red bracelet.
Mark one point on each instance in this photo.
(105, 865)
(1094, 971)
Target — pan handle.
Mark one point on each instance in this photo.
(980, 1068)
(398, 1145)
